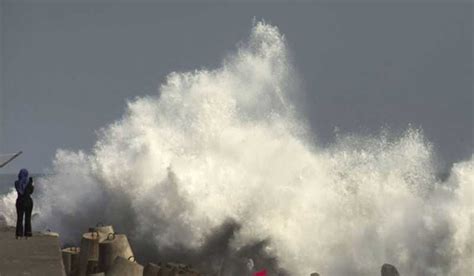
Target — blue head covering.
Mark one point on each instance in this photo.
(22, 181)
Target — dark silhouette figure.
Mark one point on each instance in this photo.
(24, 203)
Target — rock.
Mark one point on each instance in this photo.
(49, 233)
(151, 269)
(314, 274)
(389, 270)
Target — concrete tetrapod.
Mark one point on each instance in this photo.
(113, 246)
(125, 267)
(93, 267)
(151, 269)
(89, 251)
(70, 260)
(103, 230)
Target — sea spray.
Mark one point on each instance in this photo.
(220, 155)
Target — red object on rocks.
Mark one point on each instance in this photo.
(261, 273)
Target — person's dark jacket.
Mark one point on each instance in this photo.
(28, 190)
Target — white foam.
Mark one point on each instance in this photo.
(225, 143)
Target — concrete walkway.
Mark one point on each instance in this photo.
(39, 255)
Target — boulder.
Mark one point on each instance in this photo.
(389, 270)
(151, 269)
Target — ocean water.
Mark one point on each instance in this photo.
(6, 182)
(218, 167)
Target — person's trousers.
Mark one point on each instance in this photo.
(24, 207)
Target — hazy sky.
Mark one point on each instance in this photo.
(67, 69)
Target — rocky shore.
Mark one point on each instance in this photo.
(103, 252)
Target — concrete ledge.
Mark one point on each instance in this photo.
(39, 255)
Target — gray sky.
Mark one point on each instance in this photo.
(67, 69)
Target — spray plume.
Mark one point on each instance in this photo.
(217, 170)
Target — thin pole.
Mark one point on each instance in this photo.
(10, 159)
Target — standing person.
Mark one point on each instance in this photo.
(24, 204)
